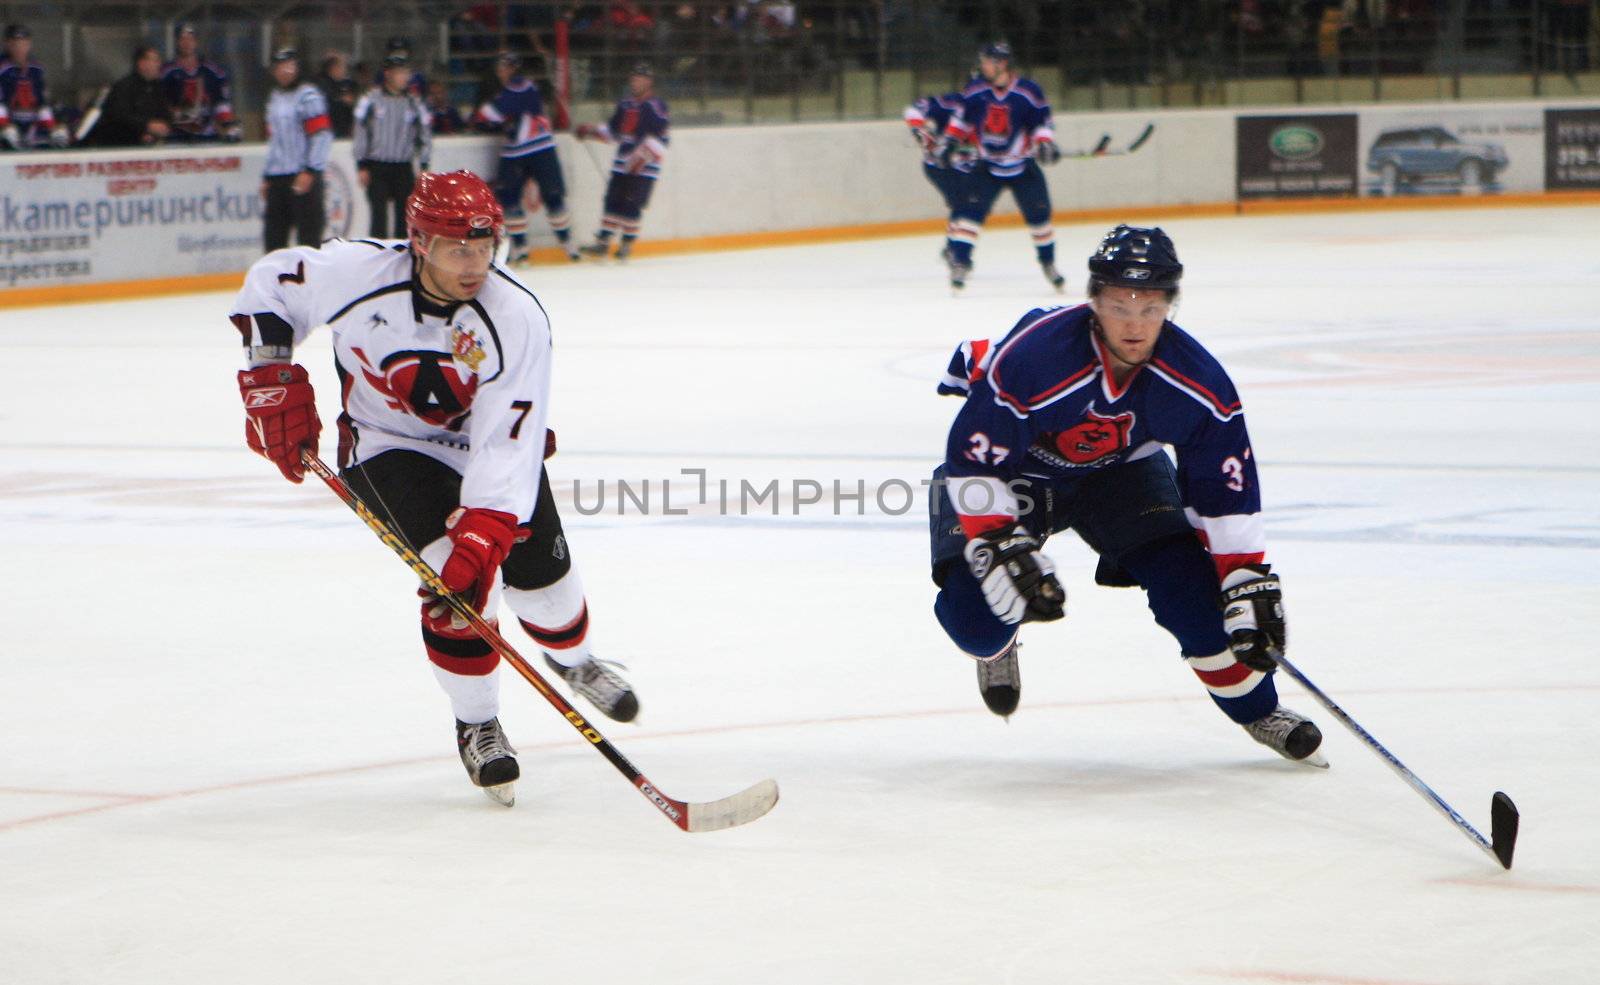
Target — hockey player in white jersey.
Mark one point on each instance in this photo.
(443, 361)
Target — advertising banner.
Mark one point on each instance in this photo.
(1452, 150)
(1572, 149)
(88, 217)
(1300, 156)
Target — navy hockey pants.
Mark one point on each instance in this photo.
(543, 168)
(952, 184)
(1131, 515)
(979, 193)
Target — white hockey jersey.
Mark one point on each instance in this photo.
(467, 384)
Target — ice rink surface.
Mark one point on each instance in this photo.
(225, 759)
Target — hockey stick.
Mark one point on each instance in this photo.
(1503, 817)
(741, 808)
(92, 116)
(1102, 147)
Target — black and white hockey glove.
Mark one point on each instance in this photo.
(1252, 616)
(1046, 152)
(1019, 582)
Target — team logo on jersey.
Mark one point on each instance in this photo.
(426, 385)
(997, 120)
(630, 122)
(465, 348)
(1096, 437)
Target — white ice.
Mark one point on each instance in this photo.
(223, 758)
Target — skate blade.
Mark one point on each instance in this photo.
(1316, 759)
(504, 794)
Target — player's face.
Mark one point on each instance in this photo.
(188, 44)
(457, 268)
(992, 69)
(18, 49)
(1130, 321)
(150, 65)
(638, 85)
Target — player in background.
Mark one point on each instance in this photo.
(392, 129)
(299, 140)
(443, 364)
(26, 121)
(198, 94)
(949, 172)
(1005, 119)
(1062, 427)
(529, 154)
(639, 127)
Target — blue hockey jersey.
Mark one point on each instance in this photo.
(928, 117)
(1042, 405)
(1005, 124)
(22, 100)
(639, 126)
(199, 98)
(518, 111)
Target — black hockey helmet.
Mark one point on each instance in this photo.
(509, 59)
(1138, 257)
(396, 59)
(285, 55)
(185, 28)
(398, 43)
(642, 68)
(998, 50)
(17, 32)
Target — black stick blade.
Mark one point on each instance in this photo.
(1100, 148)
(1503, 820)
(1139, 140)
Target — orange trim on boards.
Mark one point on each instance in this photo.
(18, 297)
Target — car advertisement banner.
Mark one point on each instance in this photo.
(1452, 150)
(1300, 156)
(1572, 149)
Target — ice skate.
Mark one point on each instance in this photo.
(1053, 275)
(601, 685)
(597, 250)
(1290, 735)
(958, 276)
(489, 759)
(624, 252)
(573, 253)
(1000, 681)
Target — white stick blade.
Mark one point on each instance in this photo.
(729, 812)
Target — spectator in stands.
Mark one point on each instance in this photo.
(339, 89)
(198, 94)
(25, 117)
(135, 111)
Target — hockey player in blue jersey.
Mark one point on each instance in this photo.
(25, 117)
(198, 94)
(639, 127)
(1005, 119)
(529, 154)
(928, 117)
(1063, 426)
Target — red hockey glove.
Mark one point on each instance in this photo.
(587, 131)
(280, 415)
(481, 539)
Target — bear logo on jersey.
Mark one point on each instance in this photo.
(997, 120)
(1096, 437)
(425, 385)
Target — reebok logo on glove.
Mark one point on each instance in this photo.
(269, 397)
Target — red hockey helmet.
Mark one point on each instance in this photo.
(456, 205)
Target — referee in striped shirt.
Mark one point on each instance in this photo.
(392, 128)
